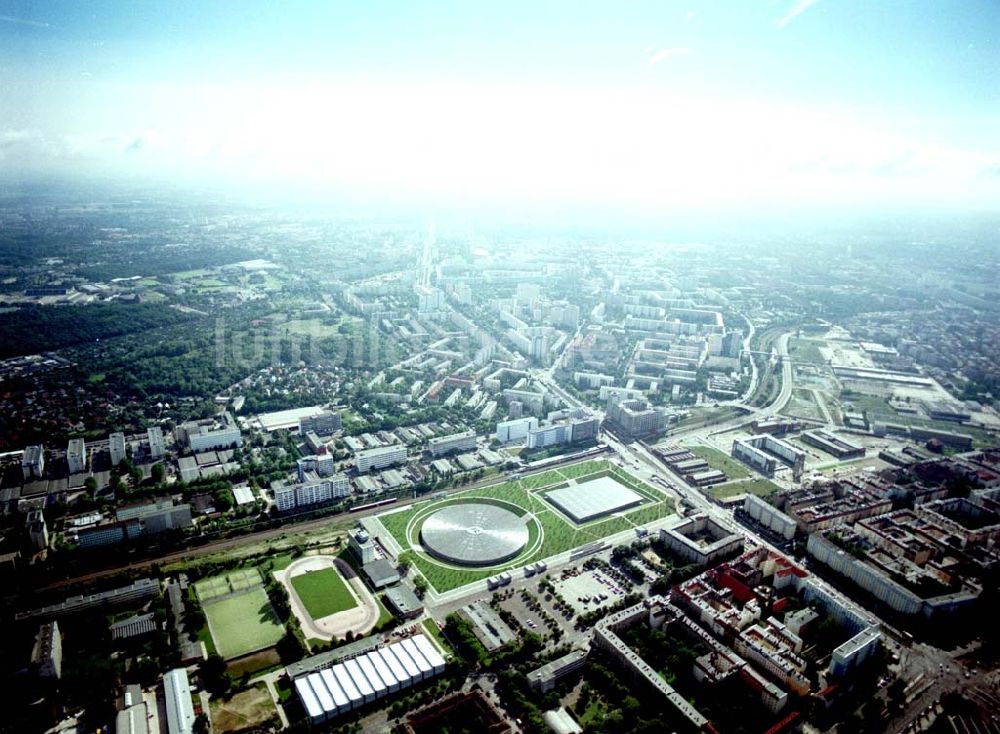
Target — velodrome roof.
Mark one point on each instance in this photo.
(474, 534)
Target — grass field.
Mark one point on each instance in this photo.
(803, 405)
(878, 409)
(323, 592)
(549, 532)
(430, 626)
(242, 623)
(249, 708)
(874, 404)
(310, 327)
(718, 460)
(806, 350)
(281, 561)
(759, 487)
(699, 416)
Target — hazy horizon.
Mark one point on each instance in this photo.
(791, 106)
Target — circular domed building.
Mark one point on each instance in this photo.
(474, 534)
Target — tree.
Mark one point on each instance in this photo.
(200, 725)
(91, 486)
(897, 694)
(290, 648)
(420, 586)
(213, 674)
(194, 617)
(222, 500)
(157, 472)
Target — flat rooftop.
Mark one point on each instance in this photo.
(594, 498)
(284, 419)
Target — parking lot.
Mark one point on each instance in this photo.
(588, 590)
(528, 619)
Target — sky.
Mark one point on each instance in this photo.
(647, 105)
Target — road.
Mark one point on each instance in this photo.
(754, 376)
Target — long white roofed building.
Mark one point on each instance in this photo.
(367, 677)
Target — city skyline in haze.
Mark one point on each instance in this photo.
(646, 106)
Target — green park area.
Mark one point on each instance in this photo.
(729, 466)
(317, 328)
(323, 592)
(806, 350)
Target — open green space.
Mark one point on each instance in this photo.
(272, 283)
(310, 327)
(432, 629)
(549, 532)
(244, 710)
(878, 409)
(805, 350)
(700, 416)
(803, 405)
(192, 274)
(243, 623)
(875, 405)
(210, 285)
(384, 615)
(352, 422)
(205, 637)
(582, 469)
(280, 562)
(323, 592)
(718, 460)
(760, 487)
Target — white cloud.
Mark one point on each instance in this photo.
(635, 147)
(23, 21)
(669, 53)
(795, 11)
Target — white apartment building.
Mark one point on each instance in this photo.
(116, 446)
(515, 430)
(33, 462)
(155, 437)
(313, 491)
(463, 441)
(222, 438)
(380, 458)
(76, 456)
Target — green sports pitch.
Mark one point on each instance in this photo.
(240, 617)
(550, 531)
(214, 587)
(323, 592)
